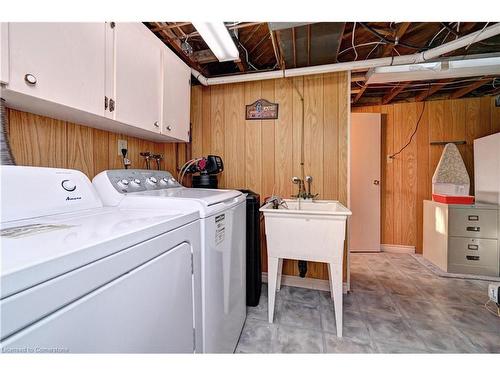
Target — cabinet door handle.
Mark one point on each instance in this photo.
(30, 79)
(169, 128)
(472, 257)
(156, 124)
(473, 229)
(473, 218)
(472, 247)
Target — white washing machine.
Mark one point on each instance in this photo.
(223, 231)
(80, 277)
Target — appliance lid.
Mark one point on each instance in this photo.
(207, 197)
(35, 250)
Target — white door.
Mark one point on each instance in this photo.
(176, 97)
(58, 62)
(364, 234)
(147, 310)
(137, 76)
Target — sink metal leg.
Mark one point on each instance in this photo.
(336, 287)
(272, 275)
(280, 272)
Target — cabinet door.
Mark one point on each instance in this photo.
(65, 59)
(176, 97)
(137, 76)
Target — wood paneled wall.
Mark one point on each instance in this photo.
(45, 142)
(264, 155)
(407, 180)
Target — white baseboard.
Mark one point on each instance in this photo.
(398, 249)
(305, 282)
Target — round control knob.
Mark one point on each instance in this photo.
(123, 183)
(135, 182)
(164, 181)
(152, 180)
(68, 185)
(172, 182)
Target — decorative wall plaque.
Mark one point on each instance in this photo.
(262, 110)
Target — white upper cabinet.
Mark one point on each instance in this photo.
(137, 76)
(58, 62)
(176, 97)
(114, 76)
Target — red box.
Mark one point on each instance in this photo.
(450, 199)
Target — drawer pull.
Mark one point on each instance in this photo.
(472, 247)
(472, 257)
(473, 218)
(473, 229)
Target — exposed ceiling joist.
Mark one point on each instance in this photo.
(467, 89)
(204, 56)
(432, 89)
(175, 43)
(358, 77)
(359, 94)
(394, 92)
(170, 26)
(398, 34)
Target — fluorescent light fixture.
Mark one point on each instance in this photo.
(435, 70)
(216, 35)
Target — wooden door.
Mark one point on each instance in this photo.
(176, 97)
(64, 62)
(137, 76)
(365, 182)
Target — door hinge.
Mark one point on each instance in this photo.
(106, 103)
(111, 105)
(112, 25)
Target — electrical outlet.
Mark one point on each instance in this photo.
(122, 143)
(493, 292)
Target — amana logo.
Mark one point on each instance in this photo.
(73, 198)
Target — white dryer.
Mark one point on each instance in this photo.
(80, 277)
(223, 223)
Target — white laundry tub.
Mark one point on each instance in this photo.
(306, 230)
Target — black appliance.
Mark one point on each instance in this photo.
(205, 172)
(253, 268)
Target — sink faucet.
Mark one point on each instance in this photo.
(308, 194)
(302, 193)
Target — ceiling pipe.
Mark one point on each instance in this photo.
(357, 65)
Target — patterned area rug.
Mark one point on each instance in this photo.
(437, 271)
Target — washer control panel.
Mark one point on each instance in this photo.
(134, 180)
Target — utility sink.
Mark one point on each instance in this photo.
(310, 230)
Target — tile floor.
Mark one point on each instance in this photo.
(396, 306)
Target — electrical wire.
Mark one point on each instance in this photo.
(389, 41)
(352, 41)
(359, 45)
(495, 313)
(414, 131)
(477, 35)
(184, 168)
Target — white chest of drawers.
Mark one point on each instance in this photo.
(462, 238)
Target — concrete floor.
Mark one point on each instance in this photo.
(396, 306)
